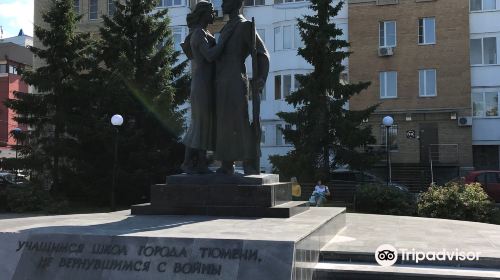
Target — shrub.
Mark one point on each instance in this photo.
(33, 198)
(26, 199)
(495, 217)
(456, 201)
(3, 199)
(380, 199)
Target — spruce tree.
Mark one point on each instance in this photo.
(325, 134)
(142, 80)
(51, 113)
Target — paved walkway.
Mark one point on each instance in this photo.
(364, 233)
(4, 216)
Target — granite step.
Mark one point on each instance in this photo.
(368, 258)
(363, 271)
(284, 210)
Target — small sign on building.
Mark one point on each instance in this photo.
(411, 134)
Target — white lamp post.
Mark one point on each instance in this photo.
(388, 121)
(116, 121)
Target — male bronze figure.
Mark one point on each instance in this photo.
(234, 136)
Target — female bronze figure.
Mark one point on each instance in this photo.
(201, 48)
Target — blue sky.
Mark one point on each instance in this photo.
(14, 15)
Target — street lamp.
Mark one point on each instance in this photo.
(116, 121)
(16, 131)
(388, 121)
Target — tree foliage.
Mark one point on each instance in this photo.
(324, 132)
(54, 112)
(131, 70)
(141, 79)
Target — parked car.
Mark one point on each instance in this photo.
(9, 179)
(489, 180)
(358, 178)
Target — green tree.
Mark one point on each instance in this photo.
(324, 133)
(142, 80)
(66, 58)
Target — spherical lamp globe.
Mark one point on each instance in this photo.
(388, 121)
(117, 120)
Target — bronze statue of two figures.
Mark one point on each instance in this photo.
(220, 90)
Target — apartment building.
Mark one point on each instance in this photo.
(416, 54)
(21, 39)
(485, 78)
(276, 23)
(13, 54)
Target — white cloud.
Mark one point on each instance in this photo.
(16, 14)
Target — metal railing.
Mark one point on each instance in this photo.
(442, 154)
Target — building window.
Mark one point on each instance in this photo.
(298, 39)
(171, 3)
(279, 135)
(254, 3)
(485, 104)
(388, 84)
(278, 39)
(483, 51)
(296, 82)
(12, 69)
(284, 85)
(287, 85)
(478, 104)
(482, 5)
(3, 68)
(93, 9)
(286, 1)
(387, 31)
(177, 34)
(263, 136)
(427, 31)
(76, 6)
(111, 7)
(427, 82)
(262, 34)
(288, 127)
(344, 27)
(287, 37)
(277, 87)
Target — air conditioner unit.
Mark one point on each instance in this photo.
(386, 51)
(465, 121)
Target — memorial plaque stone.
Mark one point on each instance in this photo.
(118, 246)
(81, 257)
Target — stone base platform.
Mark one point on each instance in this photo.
(284, 210)
(222, 195)
(120, 246)
(350, 255)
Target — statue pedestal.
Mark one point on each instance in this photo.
(222, 195)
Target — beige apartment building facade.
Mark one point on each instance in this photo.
(416, 54)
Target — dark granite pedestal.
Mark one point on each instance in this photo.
(222, 195)
(118, 246)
